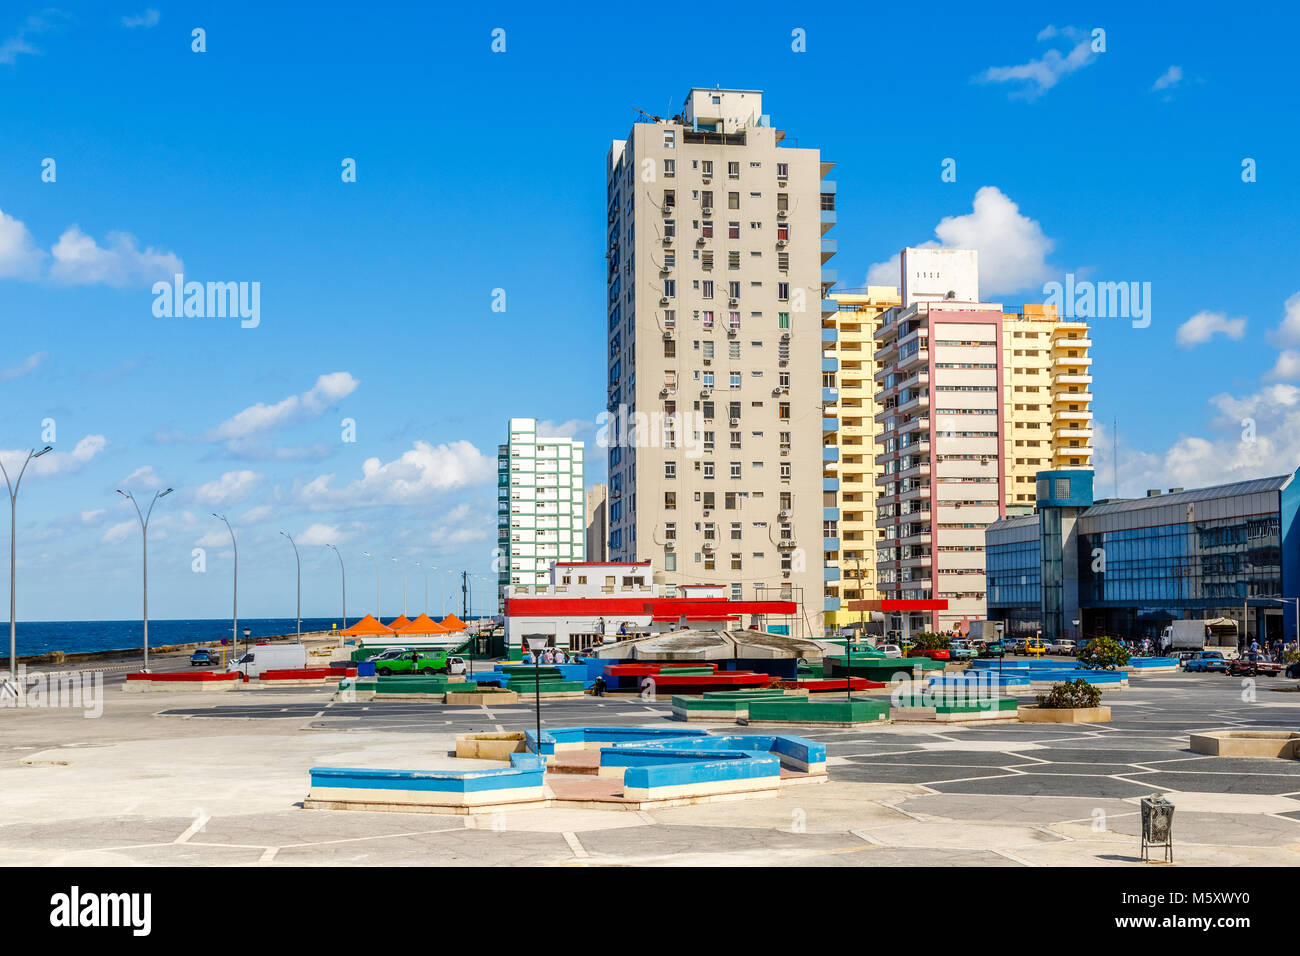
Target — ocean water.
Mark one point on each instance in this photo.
(41, 637)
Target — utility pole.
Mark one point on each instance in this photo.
(234, 625)
(144, 557)
(13, 552)
(298, 563)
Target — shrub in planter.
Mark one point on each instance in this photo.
(1102, 654)
(1070, 695)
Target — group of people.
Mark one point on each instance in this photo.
(552, 655)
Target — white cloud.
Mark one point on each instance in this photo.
(255, 515)
(1012, 247)
(1287, 366)
(147, 20)
(320, 535)
(120, 531)
(419, 473)
(230, 488)
(56, 462)
(1251, 437)
(92, 515)
(261, 418)
(214, 538)
(25, 367)
(19, 256)
(1287, 332)
(1204, 325)
(569, 429)
(144, 476)
(1038, 76)
(18, 44)
(1168, 79)
(80, 260)
(460, 526)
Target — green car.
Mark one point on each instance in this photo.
(410, 662)
(993, 649)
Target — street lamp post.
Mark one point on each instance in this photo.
(537, 644)
(13, 551)
(144, 564)
(395, 561)
(234, 626)
(298, 561)
(344, 574)
(378, 614)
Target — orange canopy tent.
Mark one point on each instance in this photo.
(399, 622)
(366, 626)
(423, 625)
(452, 623)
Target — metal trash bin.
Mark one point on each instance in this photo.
(1157, 826)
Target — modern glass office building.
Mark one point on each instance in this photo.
(1127, 567)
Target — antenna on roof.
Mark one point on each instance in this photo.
(1114, 455)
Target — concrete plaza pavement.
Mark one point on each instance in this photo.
(175, 778)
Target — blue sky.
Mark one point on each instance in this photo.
(479, 170)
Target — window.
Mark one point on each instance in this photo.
(670, 288)
(785, 441)
(735, 440)
(735, 469)
(706, 289)
(783, 318)
(733, 350)
(708, 348)
(733, 318)
(706, 228)
(670, 138)
(670, 501)
(670, 168)
(733, 200)
(708, 441)
(670, 561)
(670, 348)
(709, 563)
(670, 198)
(729, 501)
(708, 379)
(733, 230)
(783, 294)
(735, 531)
(706, 167)
(734, 379)
(710, 531)
(783, 201)
(735, 561)
(670, 531)
(785, 471)
(708, 469)
(707, 319)
(733, 170)
(733, 291)
(670, 228)
(783, 411)
(670, 469)
(706, 198)
(782, 230)
(782, 170)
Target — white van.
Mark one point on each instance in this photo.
(270, 657)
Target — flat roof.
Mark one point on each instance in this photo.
(1232, 490)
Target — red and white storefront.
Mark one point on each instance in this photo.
(590, 603)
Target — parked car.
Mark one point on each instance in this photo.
(203, 658)
(890, 650)
(935, 654)
(1033, 647)
(962, 650)
(269, 657)
(1014, 644)
(993, 649)
(1253, 664)
(414, 662)
(1205, 661)
(1062, 647)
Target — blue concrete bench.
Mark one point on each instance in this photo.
(796, 753)
(364, 787)
(561, 739)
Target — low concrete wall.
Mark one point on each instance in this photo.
(470, 698)
(1247, 743)
(358, 788)
(202, 682)
(491, 746)
(802, 711)
(1033, 714)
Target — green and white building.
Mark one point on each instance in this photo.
(541, 504)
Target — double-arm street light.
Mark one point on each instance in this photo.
(299, 563)
(144, 541)
(343, 572)
(13, 550)
(234, 626)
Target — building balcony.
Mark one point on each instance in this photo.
(827, 220)
(1062, 342)
(830, 453)
(829, 248)
(830, 544)
(830, 484)
(1066, 432)
(1068, 415)
(830, 424)
(830, 395)
(1063, 362)
(830, 336)
(829, 307)
(1071, 378)
(916, 471)
(830, 514)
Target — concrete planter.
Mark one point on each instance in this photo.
(1247, 743)
(1033, 714)
(491, 746)
(475, 698)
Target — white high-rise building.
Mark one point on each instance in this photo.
(715, 352)
(541, 504)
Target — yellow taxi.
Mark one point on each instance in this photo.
(1034, 647)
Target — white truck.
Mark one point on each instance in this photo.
(269, 657)
(1217, 634)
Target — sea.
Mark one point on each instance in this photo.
(41, 637)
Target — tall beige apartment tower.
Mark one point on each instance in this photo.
(715, 301)
(597, 525)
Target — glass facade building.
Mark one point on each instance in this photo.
(1137, 564)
